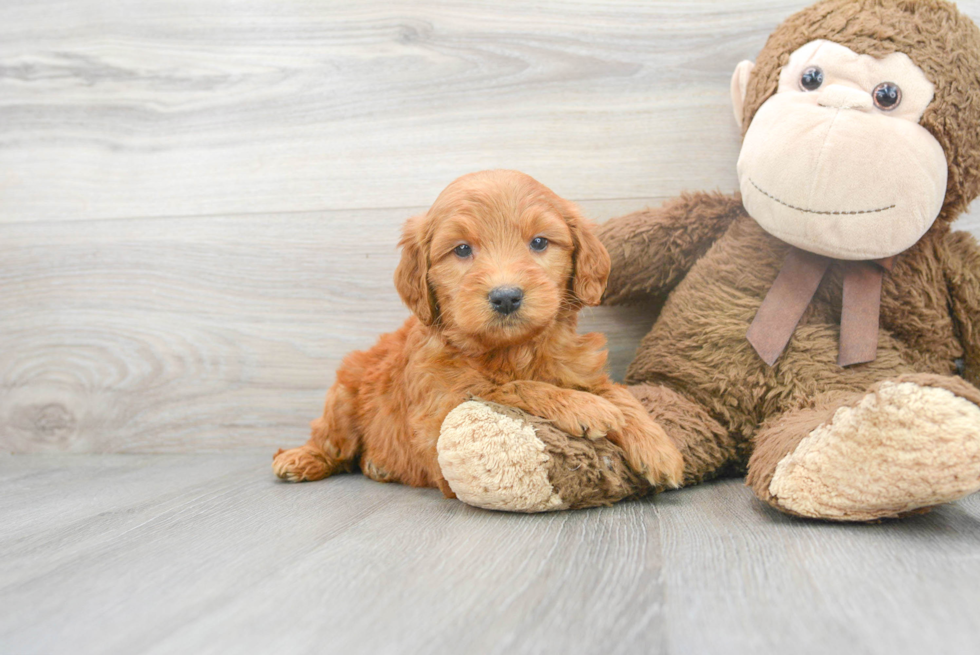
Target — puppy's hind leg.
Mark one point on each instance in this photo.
(333, 446)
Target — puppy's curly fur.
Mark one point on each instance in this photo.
(485, 232)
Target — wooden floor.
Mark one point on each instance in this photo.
(199, 206)
(209, 554)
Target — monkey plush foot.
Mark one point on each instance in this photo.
(901, 448)
(500, 458)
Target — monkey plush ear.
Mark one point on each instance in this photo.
(591, 260)
(740, 82)
(411, 276)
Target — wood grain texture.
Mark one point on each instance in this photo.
(198, 334)
(156, 109)
(231, 560)
(199, 204)
(198, 209)
(132, 109)
(809, 587)
(210, 554)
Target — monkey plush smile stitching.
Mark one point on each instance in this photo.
(861, 123)
(862, 142)
(836, 164)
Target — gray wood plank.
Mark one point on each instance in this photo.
(209, 554)
(191, 332)
(202, 334)
(199, 334)
(146, 109)
(133, 109)
(240, 562)
(250, 156)
(743, 578)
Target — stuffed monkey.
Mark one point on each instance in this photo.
(821, 329)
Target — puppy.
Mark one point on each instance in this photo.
(495, 274)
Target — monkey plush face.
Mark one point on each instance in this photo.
(835, 162)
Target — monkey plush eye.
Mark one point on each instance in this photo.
(887, 96)
(538, 244)
(811, 79)
(463, 250)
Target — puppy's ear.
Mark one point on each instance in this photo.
(411, 276)
(590, 259)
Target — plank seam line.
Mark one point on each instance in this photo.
(164, 217)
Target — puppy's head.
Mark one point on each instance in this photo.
(499, 258)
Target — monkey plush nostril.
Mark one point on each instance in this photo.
(506, 300)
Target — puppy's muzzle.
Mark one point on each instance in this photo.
(506, 300)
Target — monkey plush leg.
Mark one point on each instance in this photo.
(707, 447)
(648, 448)
(909, 443)
(501, 458)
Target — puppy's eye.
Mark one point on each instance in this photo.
(538, 244)
(463, 250)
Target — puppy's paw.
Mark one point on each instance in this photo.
(588, 415)
(300, 464)
(652, 454)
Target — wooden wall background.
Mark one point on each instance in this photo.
(199, 201)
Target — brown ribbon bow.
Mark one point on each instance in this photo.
(792, 292)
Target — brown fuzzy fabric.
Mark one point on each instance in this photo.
(588, 473)
(584, 472)
(698, 349)
(780, 437)
(706, 446)
(962, 257)
(668, 240)
(938, 39)
(782, 434)
(955, 386)
(696, 372)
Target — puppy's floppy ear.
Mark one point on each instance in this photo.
(590, 259)
(411, 276)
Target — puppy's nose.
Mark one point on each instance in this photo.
(506, 300)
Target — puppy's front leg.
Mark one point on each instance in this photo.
(648, 448)
(576, 412)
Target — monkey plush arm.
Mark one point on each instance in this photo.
(652, 249)
(963, 275)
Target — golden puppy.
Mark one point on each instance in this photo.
(495, 273)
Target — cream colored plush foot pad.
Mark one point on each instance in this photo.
(901, 448)
(495, 461)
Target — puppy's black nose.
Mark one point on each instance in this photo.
(506, 300)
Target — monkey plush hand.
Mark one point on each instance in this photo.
(821, 329)
(814, 323)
